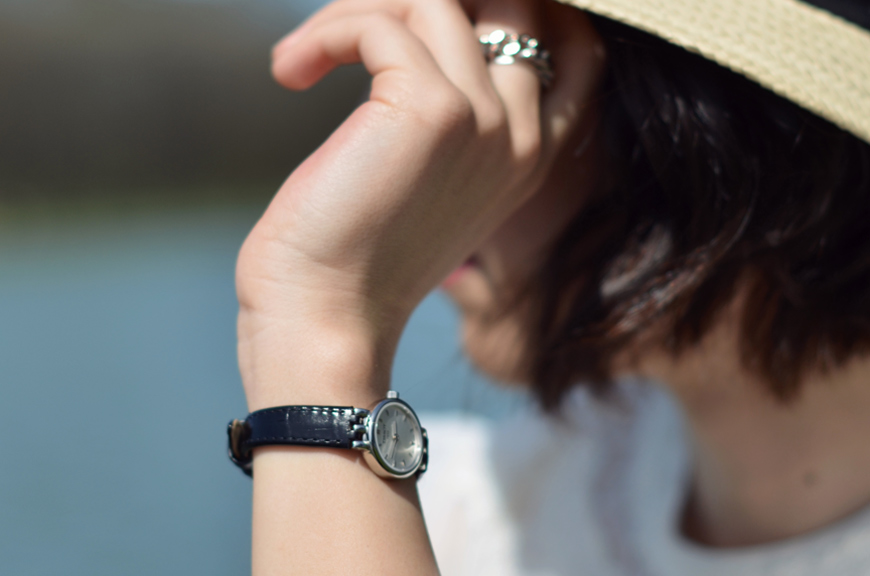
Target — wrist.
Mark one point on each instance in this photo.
(326, 360)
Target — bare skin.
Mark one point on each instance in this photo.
(764, 470)
(443, 153)
(450, 159)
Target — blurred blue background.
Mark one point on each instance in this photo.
(139, 142)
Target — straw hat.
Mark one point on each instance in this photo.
(815, 53)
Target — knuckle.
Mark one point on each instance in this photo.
(449, 4)
(527, 147)
(449, 108)
(429, 3)
(492, 122)
(333, 9)
(382, 21)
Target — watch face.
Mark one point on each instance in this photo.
(398, 438)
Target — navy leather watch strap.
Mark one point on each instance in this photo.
(302, 425)
(327, 426)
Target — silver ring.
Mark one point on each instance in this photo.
(499, 47)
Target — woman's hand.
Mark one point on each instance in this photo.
(440, 155)
(408, 186)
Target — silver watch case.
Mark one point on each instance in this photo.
(365, 430)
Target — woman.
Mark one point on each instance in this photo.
(648, 214)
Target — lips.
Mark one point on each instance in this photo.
(461, 271)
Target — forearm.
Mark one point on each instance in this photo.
(323, 510)
(403, 192)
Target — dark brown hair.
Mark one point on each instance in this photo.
(713, 177)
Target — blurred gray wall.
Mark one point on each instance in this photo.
(128, 96)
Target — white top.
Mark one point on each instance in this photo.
(597, 493)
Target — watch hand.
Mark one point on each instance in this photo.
(395, 437)
(392, 449)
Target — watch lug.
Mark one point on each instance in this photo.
(424, 462)
(238, 432)
(361, 430)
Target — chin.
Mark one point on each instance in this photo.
(497, 349)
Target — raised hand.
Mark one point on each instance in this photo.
(444, 150)
(417, 178)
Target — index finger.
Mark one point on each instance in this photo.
(380, 42)
(445, 29)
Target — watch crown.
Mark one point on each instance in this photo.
(392, 394)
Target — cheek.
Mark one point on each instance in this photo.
(523, 242)
(497, 348)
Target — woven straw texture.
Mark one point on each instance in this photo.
(805, 54)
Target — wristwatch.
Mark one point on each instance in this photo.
(390, 436)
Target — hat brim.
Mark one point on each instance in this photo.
(805, 54)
